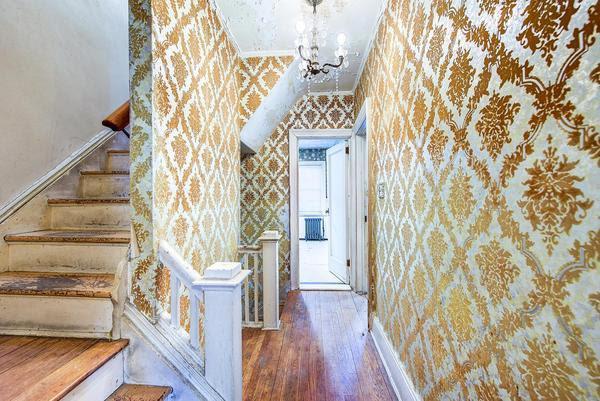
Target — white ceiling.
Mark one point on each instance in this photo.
(267, 27)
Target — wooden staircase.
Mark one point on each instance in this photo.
(59, 293)
(61, 281)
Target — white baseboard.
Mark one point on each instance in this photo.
(403, 386)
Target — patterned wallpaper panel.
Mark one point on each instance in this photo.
(486, 246)
(312, 155)
(196, 135)
(185, 140)
(140, 70)
(258, 75)
(265, 176)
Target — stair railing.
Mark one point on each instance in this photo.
(260, 290)
(219, 290)
(118, 120)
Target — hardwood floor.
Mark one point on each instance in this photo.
(323, 352)
(45, 368)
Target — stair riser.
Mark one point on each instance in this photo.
(118, 162)
(66, 257)
(104, 185)
(102, 383)
(115, 216)
(55, 316)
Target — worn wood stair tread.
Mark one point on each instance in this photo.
(56, 284)
(88, 201)
(139, 392)
(72, 236)
(118, 151)
(104, 172)
(52, 367)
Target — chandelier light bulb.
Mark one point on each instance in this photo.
(341, 39)
(300, 27)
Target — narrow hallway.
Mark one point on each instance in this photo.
(323, 352)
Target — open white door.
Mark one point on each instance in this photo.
(338, 194)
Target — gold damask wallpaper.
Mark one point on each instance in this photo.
(486, 247)
(185, 140)
(257, 76)
(140, 71)
(265, 188)
(196, 135)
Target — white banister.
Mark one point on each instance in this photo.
(182, 275)
(262, 259)
(270, 257)
(221, 285)
(220, 290)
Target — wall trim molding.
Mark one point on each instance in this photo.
(55, 174)
(403, 386)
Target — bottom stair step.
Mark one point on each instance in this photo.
(138, 392)
(53, 369)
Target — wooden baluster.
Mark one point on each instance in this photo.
(194, 320)
(175, 315)
(255, 278)
(246, 292)
(269, 242)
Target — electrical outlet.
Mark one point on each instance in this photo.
(381, 190)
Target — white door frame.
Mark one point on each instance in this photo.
(294, 136)
(359, 241)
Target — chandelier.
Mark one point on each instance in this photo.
(311, 36)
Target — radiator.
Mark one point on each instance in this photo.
(314, 229)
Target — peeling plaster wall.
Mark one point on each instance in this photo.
(64, 68)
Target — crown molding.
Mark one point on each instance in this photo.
(384, 5)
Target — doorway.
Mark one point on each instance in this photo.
(319, 212)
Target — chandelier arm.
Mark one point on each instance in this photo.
(332, 65)
(300, 48)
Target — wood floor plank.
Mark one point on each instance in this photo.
(9, 344)
(323, 352)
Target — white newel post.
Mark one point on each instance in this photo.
(221, 284)
(270, 260)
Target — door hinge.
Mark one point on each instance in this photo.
(365, 219)
(348, 262)
(347, 150)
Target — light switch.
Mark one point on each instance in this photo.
(381, 190)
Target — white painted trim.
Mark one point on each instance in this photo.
(358, 239)
(401, 383)
(294, 136)
(267, 53)
(55, 174)
(363, 62)
(178, 355)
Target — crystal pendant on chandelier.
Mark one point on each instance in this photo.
(312, 37)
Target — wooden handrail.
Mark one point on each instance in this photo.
(118, 119)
